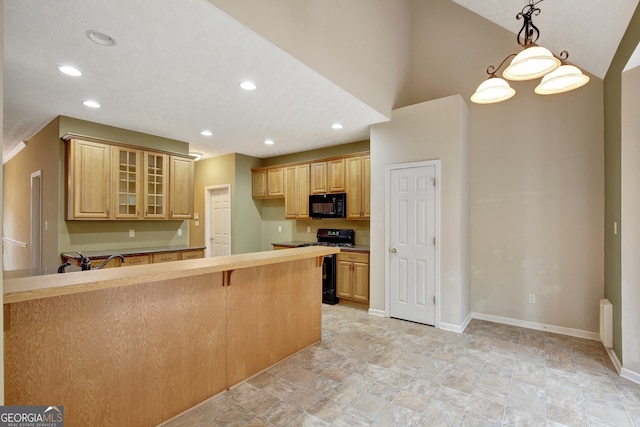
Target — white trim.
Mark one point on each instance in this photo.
(614, 359)
(13, 152)
(35, 219)
(14, 242)
(457, 328)
(387, 189)
(207, 217)
(538, 326)
(376, 312)
(629, 374)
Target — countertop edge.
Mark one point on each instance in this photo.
(37, 287)
(132, 251)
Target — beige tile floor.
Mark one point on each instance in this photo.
(371, 371)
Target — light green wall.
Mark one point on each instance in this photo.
(613, 174)
(123, 136)
(256, 224)
(247, 236)
(113, 235)
(246, 225)
(320, 153)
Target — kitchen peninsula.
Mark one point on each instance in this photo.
(139, 345)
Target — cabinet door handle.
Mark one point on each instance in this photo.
(107, 211)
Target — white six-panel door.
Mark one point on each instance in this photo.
(218, 219)
(412, 240)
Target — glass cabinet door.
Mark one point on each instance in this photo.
(155, 185)
(127, 192)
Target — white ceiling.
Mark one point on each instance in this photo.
(176, 68)
(174, 71)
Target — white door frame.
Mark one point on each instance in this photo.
(207, 217)
(35, 220)
(387, 227)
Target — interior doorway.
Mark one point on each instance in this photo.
(412, 240)
(218, 220)
(35, 239)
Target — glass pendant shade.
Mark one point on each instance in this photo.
(531, 63)
(564, 79)
(493, 90)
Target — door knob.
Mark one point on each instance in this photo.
(393, 250)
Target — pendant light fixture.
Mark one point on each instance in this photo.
(531, 63)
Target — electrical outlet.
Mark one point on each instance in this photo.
(132, 233)
(532, 299)
(308, 229)
(279, 229)
(179, 232)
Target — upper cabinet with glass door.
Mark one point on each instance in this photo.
(110, 181)
(155, 185)
(127, 164)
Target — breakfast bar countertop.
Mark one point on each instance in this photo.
(37, 287)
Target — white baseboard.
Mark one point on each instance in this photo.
(538, 326)
(376, 312)
(614, 359)
(630, 375)
(456, 328)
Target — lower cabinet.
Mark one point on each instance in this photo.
(352, 277)
(164, 257)
(198, 253)
(130, 261)
(139, 258)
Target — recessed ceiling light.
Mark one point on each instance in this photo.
(100, 38)
(69, 70)
(268, 141)
(91, 104)
(247, 85)
(336, 126)
(206, 133)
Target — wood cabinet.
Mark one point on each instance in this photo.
(88, 180)
(328, 177)
(181, 188)
(352, 277)
(118, 182)
(127, 164)
(139, 258)
(193, 254)
(358, 172)
(155, 185)
(130, 261)
(349, 174)
(164, 257)
(267, 183)
(296, 194)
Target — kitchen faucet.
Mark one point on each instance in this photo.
(85, 263)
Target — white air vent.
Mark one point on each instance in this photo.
(606, 323)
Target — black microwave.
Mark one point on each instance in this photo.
(328, 205)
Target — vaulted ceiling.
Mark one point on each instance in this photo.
(176, 69)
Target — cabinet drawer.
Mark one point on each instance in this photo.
(192, 254)
(135, 260)
(353, 257)
(165, 257)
